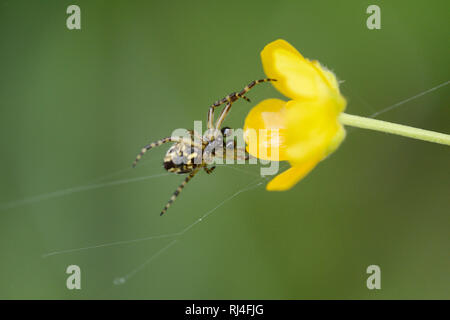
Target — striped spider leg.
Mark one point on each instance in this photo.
(179, 189)
(229, 99)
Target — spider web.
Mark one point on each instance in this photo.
(255, 183)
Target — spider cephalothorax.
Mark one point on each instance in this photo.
(190, 154)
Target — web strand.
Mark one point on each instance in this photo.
(110, 244)
(396, 105)
(64, 192)
(122, 280)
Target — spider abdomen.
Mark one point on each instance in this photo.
(182, 158)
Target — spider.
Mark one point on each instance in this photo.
(189, 156)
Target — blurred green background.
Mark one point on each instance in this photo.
(77, 106)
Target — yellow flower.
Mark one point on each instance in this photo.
(308, 125)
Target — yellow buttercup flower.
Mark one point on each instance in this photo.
(308, 125)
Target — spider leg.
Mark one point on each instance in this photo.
(150, 146)
(177, 192)
(229, 99)
(209, 170)
(223, 115)
(251, 85)
(245, 98)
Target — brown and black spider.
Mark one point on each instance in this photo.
(190, 155)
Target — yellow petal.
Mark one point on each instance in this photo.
(329, 76)
(334, 93)
(291, 176)
(337, 140)
(311, 129)
(267, 115)
(297, 77)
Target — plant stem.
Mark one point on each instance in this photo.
(384, 126)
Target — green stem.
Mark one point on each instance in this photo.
(383, 126)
